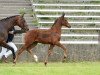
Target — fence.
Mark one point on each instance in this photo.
(82, 39)
(43, 10)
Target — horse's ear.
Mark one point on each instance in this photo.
(23, 14)
(63, 14)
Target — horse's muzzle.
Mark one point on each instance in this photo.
(27, 29)
(69, 26)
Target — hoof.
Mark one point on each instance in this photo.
(64, 59)
(45, 63)
(4, 59)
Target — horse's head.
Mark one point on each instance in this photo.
(22, 23)
(64, 21)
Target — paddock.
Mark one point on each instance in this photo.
(82, 40)
(57, 68)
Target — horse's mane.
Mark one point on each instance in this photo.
(55, 22)
(8, 18)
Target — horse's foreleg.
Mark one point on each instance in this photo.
(4, 44)
(65, 50)
(49, 53)
(19, 52)
(29, 49)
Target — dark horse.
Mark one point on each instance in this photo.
(7, 24)
(51, 36)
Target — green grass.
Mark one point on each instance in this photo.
(83, 68)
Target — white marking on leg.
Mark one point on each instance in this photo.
(36, 58)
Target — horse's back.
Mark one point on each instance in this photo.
(32, 35)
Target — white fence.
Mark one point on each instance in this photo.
(43, 10)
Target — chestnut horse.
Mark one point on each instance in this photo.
(51, 36)
(7, 24)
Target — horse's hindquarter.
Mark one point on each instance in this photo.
(30, 37)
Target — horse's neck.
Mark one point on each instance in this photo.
(56, 28)
(10, 25)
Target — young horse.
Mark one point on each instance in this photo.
(8, 23)
(51, 36)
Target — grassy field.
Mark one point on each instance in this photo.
(82, 68)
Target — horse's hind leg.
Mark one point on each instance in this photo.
(29, 49)
(19, 52)
(49, 53)
(65, 50)
(4, 44)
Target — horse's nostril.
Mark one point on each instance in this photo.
(69, 26)
(27, 29)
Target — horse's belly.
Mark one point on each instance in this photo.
(44, 40)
